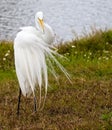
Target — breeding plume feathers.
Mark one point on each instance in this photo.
(31, 53)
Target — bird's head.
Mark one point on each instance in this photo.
(39, 19)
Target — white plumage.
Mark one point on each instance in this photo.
(32, 46)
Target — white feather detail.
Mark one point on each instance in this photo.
(31, 53)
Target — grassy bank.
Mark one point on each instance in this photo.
(84, 105)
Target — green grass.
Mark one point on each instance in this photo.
(86, 104)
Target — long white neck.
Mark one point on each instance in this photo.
(48, 35)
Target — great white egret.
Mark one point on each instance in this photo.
(32, 47)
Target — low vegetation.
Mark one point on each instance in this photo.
(86, 104)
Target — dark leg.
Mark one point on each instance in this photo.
(19, 100)
(35, 104)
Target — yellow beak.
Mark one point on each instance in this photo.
(41, 24)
